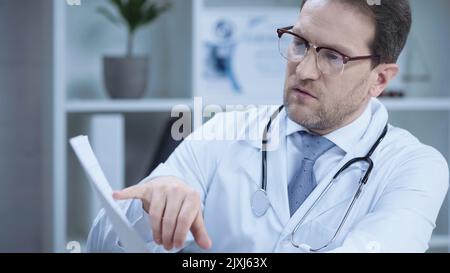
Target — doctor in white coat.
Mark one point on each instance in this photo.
(201, 198)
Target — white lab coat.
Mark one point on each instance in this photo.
(395, 213)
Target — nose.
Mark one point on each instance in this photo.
(308, 69)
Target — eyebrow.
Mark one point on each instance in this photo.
(339, 48)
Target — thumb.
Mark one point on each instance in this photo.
(198, 229)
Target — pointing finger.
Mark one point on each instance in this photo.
(133, 192)
(199, 231)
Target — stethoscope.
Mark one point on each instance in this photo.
(260, 202)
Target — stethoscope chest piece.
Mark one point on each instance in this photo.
(260, 203)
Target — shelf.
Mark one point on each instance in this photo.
(417, 104)
(125, 106)
(155, 105)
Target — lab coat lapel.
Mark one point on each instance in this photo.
(277, 169)
(252, 170)
(276, 163)
(276, 179)
(258, 121)
(343, 191)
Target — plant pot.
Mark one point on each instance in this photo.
(126, 77)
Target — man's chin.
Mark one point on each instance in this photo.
(299, 114)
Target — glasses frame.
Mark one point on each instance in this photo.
(345, 58)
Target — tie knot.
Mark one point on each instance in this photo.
(313, 146)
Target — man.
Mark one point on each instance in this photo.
(341, 55)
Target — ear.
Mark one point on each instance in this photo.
(383, 74)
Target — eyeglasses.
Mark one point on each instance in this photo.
(329, 61)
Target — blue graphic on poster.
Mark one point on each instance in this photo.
(220, 53)
(239, 53)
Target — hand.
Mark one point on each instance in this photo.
(174, 208)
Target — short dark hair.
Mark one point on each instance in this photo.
(392, 25)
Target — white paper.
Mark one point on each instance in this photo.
(129, 238)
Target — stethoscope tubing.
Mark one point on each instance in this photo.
(367, 159)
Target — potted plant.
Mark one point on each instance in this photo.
(126, 76)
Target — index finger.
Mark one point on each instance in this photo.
(133, 192)
(198, 229)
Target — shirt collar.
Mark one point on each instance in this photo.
(346, 137)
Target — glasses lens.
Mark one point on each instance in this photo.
(292, 48)
(330, 62)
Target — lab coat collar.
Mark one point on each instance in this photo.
(346, 137)
(277, 182)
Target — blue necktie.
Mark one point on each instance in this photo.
(304, 181)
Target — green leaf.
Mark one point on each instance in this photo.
(117, 4)
(137, 13)
(121, 8)
(149, 14)
(134, 13)
(109, 15)
(152, 13)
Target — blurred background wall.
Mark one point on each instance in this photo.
(25, 81)
(26, 95)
